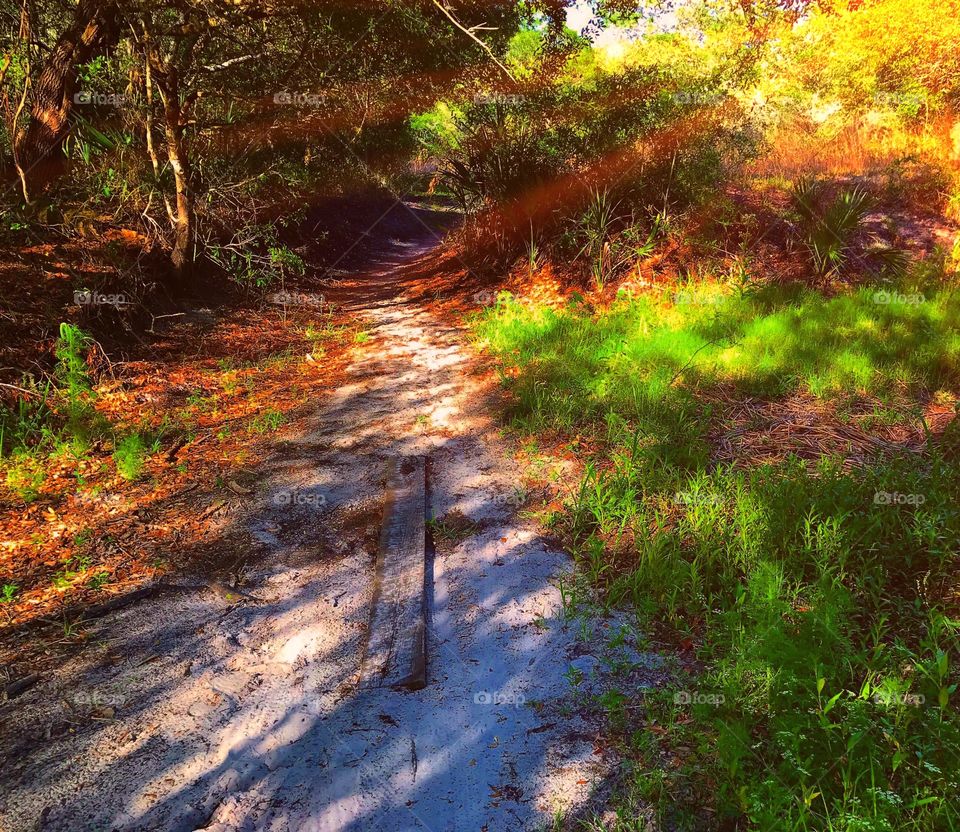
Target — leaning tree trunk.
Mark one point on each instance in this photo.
(37, 146)
(184, 228)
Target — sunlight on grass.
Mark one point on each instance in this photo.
(807, 586)
(769, 343)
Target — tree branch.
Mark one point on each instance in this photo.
(470, 33)
(233, 62)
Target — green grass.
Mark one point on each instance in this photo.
(771, 341)
(818, 599)
(25, 474)
(268, 421)
(51, 422)
(452, 528)
(130, 456)
(59, 423)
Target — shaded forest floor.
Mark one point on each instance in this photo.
(205, 382)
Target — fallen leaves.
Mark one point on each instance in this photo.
(505, 792)
(91, 535)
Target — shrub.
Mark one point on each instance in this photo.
(501, 155)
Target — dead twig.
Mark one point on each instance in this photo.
(470, 32)
(21, 390)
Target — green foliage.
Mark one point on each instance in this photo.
(822, 650)
(544, 150)
(58, 418)
(28, 422)
(266, 422)
(829, 227)
(532, 251)
(130, 456)
(811, 586)
(25, 475)
(524, 53)
(72, 375)
(255, 258)
(452, 528)
(99, 580)
(894, 54)
(437, 130)
(596, 227)
(500, 156)
(771, 342)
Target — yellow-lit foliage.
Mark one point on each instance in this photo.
(902, 53)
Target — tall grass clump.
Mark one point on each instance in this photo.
(129, 456)
(74, 390)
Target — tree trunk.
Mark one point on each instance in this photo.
(37, 146)
(148, 122)
(184, 224)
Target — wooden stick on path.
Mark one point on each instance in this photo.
(395, 654)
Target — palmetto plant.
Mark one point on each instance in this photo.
(829, 229)
(499, 159)
(596, 226)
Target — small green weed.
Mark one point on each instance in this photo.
(130, 456)
(452, 528)
(266, 422)
(98, 581)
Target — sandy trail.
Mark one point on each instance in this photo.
(212, 714)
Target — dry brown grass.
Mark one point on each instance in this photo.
(754, 431)
(864, 147)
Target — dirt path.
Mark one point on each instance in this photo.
(201, 710)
